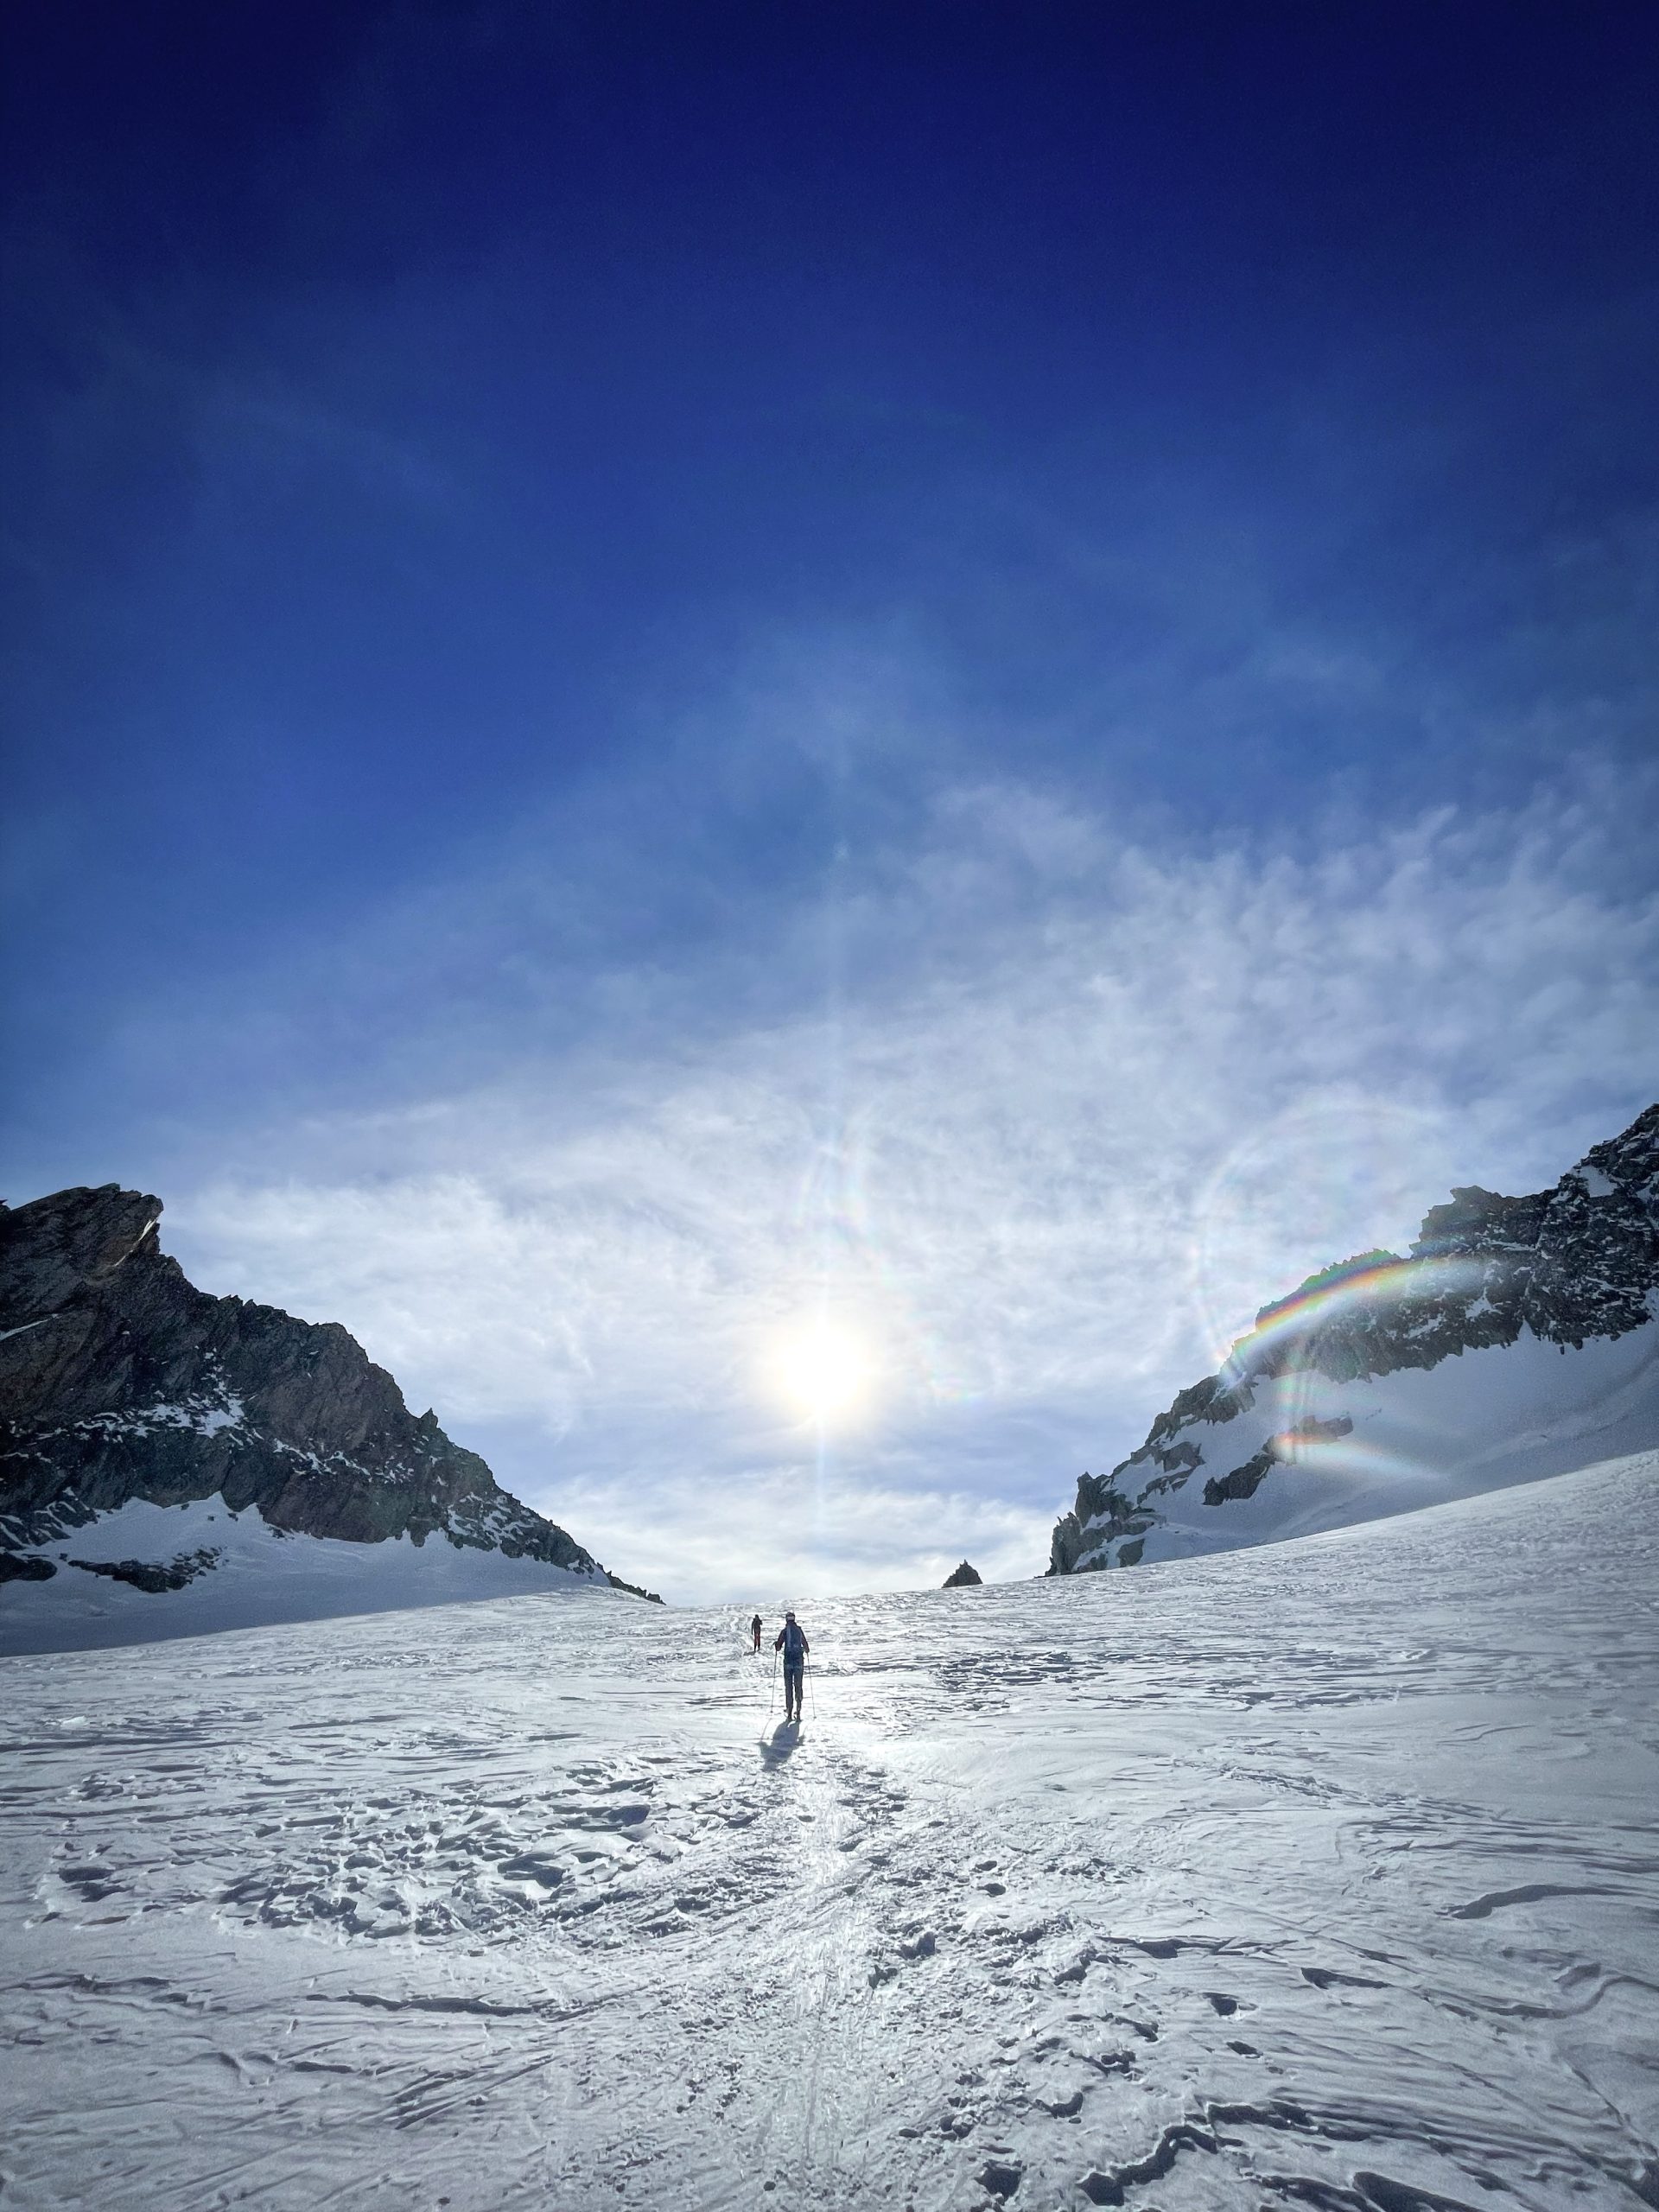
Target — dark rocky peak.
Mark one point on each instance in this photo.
(1330, 1278)
(1596, 1261)
(1577, 1261)
(1476, 1221)
(1632, 1162)
(963, 1578)
(54, 1247)
(120, 1380)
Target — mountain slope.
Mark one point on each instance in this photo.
(1516, 1339)
(124, 1389)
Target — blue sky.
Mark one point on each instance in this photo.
(994, 666)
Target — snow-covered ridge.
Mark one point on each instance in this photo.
(1517, 1338)
(122, 1386)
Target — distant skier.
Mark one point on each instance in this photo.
(792, 1642)
(756, 1625)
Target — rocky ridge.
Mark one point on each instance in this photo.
(1566, 1267)
(120, 1381)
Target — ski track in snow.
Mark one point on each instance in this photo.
(1324, 1875)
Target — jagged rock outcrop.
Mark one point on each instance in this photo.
(119, 1380)
(1319, 1388)
(963, 1578)
(633, 1589)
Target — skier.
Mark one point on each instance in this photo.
(756, 1625)
(792, 1642)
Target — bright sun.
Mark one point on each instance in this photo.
(824, 1370)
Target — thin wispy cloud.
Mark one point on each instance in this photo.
(1040, 1115)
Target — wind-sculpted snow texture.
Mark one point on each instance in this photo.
(1518, 1339)
(1321, 1875)
(119, 1382)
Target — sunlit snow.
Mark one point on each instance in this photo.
(1321, 1875)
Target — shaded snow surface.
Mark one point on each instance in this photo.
(248, 1574)
(1322, 1875)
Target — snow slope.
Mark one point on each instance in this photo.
(246, 1574)
(1322, 1875)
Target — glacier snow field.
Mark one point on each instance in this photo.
(1320, 1875)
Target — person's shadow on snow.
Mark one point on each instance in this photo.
(781, 1744)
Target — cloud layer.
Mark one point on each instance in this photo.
(1043, 1113)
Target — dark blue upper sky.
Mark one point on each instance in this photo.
(422, 418)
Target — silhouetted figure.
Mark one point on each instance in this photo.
(756, 1625)
(792, 1642)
